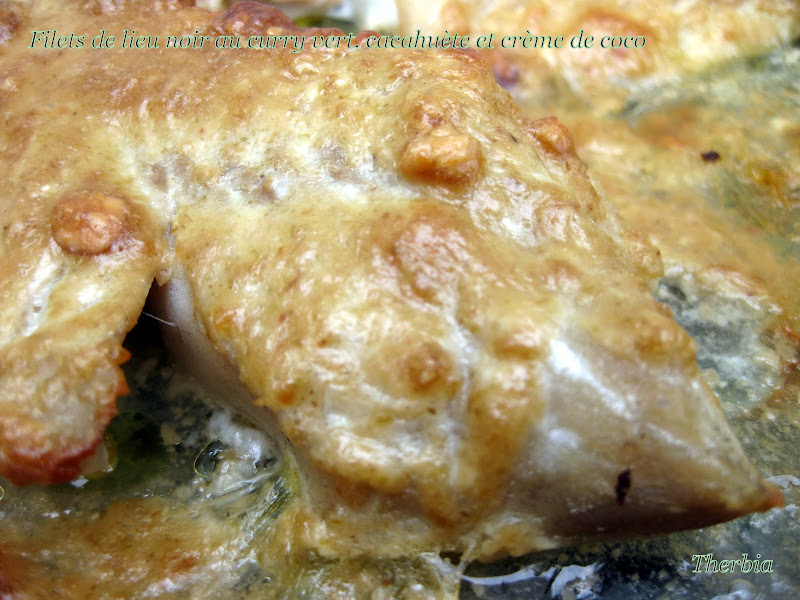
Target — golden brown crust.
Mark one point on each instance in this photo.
(704, 168)
(89, 222)
(78, 257)
(442, 158)
(438, 324)
(66, 312)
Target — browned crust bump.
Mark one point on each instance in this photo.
(89, 222)
(442, 158)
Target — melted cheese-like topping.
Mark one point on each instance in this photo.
(453, 330)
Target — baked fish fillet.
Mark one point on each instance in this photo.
(419, 285)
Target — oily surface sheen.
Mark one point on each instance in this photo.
(452, 329)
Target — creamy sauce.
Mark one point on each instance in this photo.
(162, 524)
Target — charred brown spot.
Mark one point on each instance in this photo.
(553, 136)
(443, 159)
(710, 156)
(287, 394)
(89, 222)
(623, 486)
